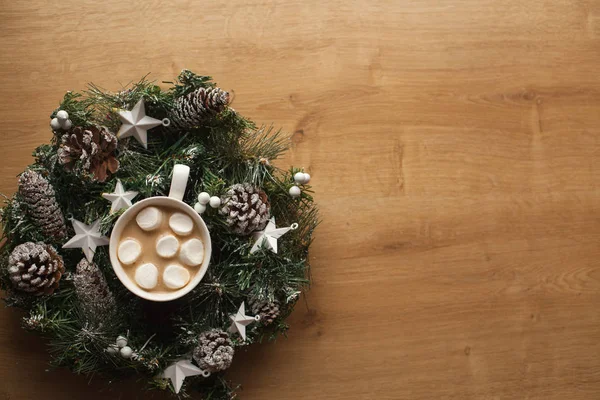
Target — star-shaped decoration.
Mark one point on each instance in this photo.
(181, 369)
(120, 198)
(240, 320)
(268, 237)
(87, 237)
(136, 123)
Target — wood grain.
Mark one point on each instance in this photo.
(455, 153)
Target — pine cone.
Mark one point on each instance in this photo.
(190, 110)
(89, 150)
(246, 207)
(214, 351)
(97, 301)
(268, 311)
(35, 268)
(42, 207)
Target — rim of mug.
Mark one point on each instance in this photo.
(120, 270)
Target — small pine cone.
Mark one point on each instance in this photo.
(190, 110)
(97, 301)
(246, 207)
(89, 150)
(214, 351)
(42, 207)
(268, 311)
(35, 268)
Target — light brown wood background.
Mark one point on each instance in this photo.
(454, 148)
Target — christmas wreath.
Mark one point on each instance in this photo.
(145, 193)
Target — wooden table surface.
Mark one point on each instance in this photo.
(454, 148)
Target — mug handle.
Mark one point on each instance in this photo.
(179, 181)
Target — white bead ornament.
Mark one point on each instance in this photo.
(67, 125)
(295, 191)
(62, 115)
(299, 178)
(306, 178)
(215, 202)
(112, 349)
(121, 341)
(200, 208)
(204, 198)
(126, 352)
(54, 124)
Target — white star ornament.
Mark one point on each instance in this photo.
(136, 123)
(178, 371)
(268, 237)
(120, 198)
(240, 320)
(87, 237)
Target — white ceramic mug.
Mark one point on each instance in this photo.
(178, 184)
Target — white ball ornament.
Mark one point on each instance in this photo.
(66, 125)
(306, 178)
(215, 202)
(121, 341)
(54, 124)
(126, 352)
(62, 115)
(295, 191)
(200, 208)
(112, 349)
(299, 178)
(204, 198)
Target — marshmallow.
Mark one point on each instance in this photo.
(181, 224)
(129, 251)
(192, 252)
(167, 246)
(176, 276)
(146, 276)
(149, 218)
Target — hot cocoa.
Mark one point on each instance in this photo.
(161, 249)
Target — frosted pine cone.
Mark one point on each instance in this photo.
(246, 207)
(35, 268)
(214, 351)
(190, 110)
(268, 311)
(89, 150)
(42, 207)
(92, 290)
